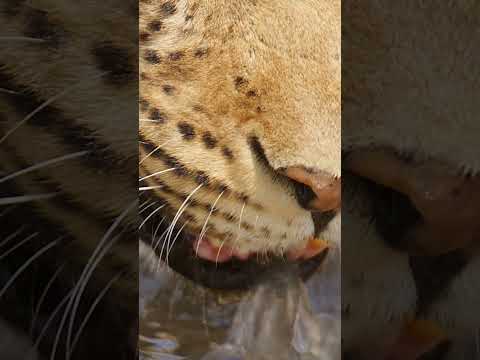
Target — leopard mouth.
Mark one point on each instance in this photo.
(227, 270)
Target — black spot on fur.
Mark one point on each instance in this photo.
(243, 197)
(239, 82)
(167, 189)
(144, 36)
(157, 115)
(199, 53)
(247, 226)
(155, 25)
(193, 203)
(189, 217)
(188, 17)
(209, 141)
(201, 178)
(223, 188)
(187, 130)
(151, 56)
(227, 153)
(168, 8)
(114, 60)
(168, 89)
(175, 56)
(229, 217)
(252, 93)
(39, 26)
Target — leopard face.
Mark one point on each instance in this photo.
(239, 124)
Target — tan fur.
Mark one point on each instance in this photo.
(428, 112)
(269, 69)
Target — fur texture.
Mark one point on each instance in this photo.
(214, 76)
(427, 111)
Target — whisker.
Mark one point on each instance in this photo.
(204, 228)
(48, 322)
(45, 104)
(219, 250)
(9, 251)
(157, 173)
(179, 213)
(25, 198)
(26, 264)
(11, 236)
(7, 210)
(156, 230)
(175, 239)
(91, 309)
(147, 207)
(42, 298)
(8, 91)
(150, 215)
(239, 227)
(146, 188)
(154, 150)
(21, 38)
(96, 257)
(43, 164)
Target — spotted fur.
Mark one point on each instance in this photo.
(231, 93)
(68, 75)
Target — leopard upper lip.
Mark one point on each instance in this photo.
(448, 204)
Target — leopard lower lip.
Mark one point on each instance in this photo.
(208, 250)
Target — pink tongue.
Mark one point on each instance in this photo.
(205, 250)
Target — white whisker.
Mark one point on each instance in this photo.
(175, 239)
(25, 198)
(156, 230)
(157, 173)
(21, 38)
(28, 238)
(45, 104)
(48, 322)
(8, 91)
(153, 151)
(42, 298)
(26, 264)
(96, 257)
(146, 188)
(147, 207)
(219, 250)
(180, 211)
(150, 215)
(239, 227)
(43, 164)
(11, 236)
(204, 228)
(90, 311)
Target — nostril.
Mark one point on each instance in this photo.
(304, 194)
(315, 190)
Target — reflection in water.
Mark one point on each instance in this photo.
(282, 318)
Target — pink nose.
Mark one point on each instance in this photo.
(328, 189)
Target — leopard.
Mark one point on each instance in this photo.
(411, 175)
(239, 136)
(68, 174)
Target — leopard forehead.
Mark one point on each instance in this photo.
(232, 70)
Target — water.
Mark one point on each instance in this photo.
(282, 318)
